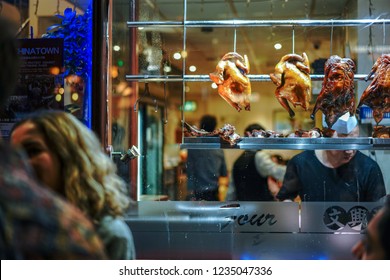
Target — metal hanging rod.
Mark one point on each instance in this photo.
(253, 23)
(206, 78)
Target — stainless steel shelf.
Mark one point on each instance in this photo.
(252, 143)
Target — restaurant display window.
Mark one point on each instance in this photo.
(173, 62)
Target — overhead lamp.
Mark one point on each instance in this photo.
(192, 68)
(278, 46)
(176, 55)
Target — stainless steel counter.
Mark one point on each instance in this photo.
(247, 230)
(285, 143)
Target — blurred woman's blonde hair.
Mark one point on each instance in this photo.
(89, 176)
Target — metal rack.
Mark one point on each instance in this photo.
(361, 143)
(236, 24)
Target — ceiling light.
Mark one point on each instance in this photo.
(167, 68)
(214, 85)
(278, 46)
(192, 68)
(116, 48)
(177, 56)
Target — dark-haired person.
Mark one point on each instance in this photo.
(251, 172)
(205, 167)
(334, 175)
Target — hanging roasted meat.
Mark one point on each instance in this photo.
(292, 78)
(377, 94)
(381, 131)
(233, 83)
(337, 93)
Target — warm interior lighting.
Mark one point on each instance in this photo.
(278, 46)
(114, 72)
(58, 97)
(75, 96)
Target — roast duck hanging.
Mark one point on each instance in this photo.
(337, 93)
(377, 94)
(233, 83)
(292, 78)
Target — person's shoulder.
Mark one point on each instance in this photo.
(114, 227)
(77, 230)
(303, 155)
(117, 237)
(362, 158)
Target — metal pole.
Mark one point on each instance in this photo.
(254, 23)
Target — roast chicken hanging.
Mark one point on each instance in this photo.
(377, 94)
(337, 93)
(233, 83)
(292, 78)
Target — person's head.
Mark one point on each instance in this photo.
(376, 243)
(252, 127)
(68, 158)
(9, 60)
(345, 126)
(208, 123)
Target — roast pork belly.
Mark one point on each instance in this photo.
(227, 133)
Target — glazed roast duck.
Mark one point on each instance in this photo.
(233, 83)
(292, 78)
(377, 94)
(337, 93)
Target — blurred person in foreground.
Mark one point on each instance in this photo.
(334, 175)
(375, 244)
(35, 223)
(68, 158)
(250, 179)
(205, 167)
